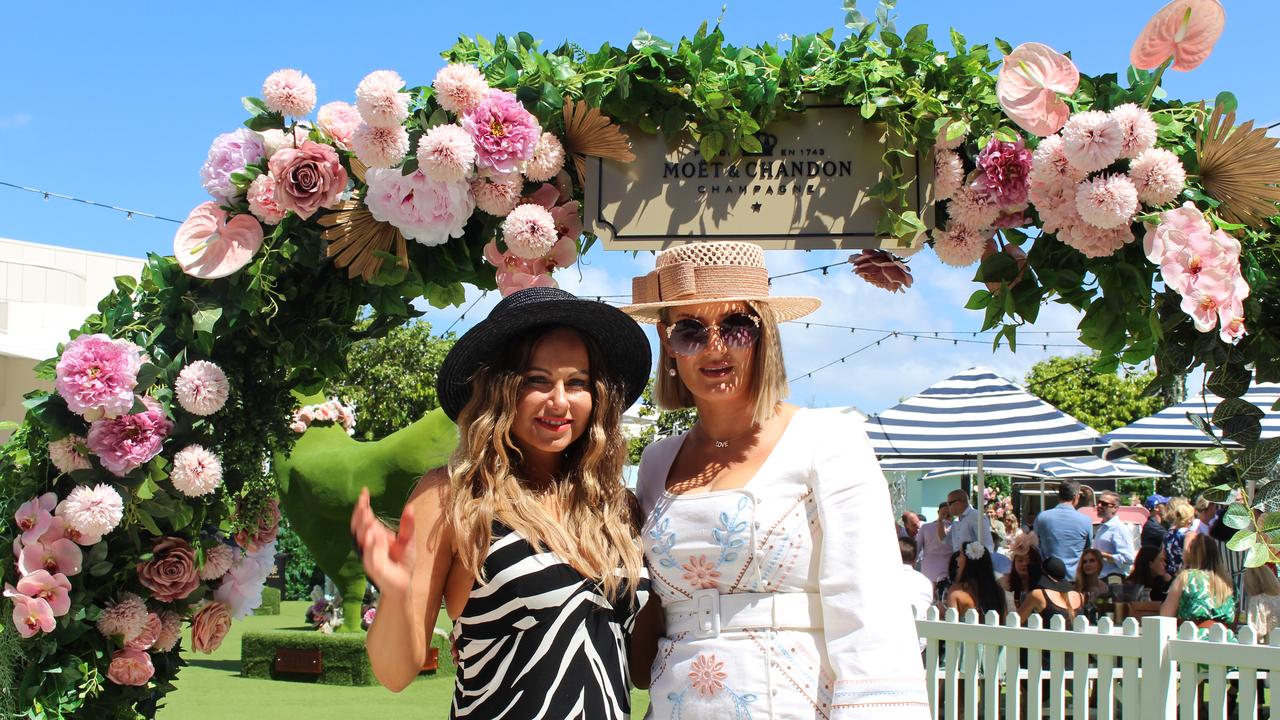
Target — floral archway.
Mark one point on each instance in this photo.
(136, 496)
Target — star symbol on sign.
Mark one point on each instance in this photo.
(755, 207)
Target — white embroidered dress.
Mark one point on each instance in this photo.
(815, 520)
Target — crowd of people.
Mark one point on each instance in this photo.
(1079, 558)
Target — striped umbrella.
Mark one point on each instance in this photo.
(1170, 429)
(1049, 468)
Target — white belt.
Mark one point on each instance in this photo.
(708, 613)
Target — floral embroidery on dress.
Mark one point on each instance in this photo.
(726, 536)
(664, 538)
(710, 696)
(700, 572)
(707, 675)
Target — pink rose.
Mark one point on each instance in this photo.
(209, 626)
(150, 633)
(881, 269)
(130, 666)
(171, 573)
(307, 178)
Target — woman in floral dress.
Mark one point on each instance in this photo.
(1202, 593)
(769, 536)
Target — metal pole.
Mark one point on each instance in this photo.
(982, 502)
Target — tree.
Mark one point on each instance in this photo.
(666, 423)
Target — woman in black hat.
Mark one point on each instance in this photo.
(529, 534)
(1055, 596)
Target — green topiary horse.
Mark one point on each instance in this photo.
(321, 478)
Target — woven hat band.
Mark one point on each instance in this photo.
(690, 281)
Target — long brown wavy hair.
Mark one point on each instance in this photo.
(598, 533)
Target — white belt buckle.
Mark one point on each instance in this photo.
(706, 614)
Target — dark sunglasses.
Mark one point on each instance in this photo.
(690, 337)
(1104, 503)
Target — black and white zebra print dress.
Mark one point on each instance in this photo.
(539, 640)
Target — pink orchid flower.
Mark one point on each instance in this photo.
(1186, 219)
(83, 539)
(1211, 292)
(1028, 86)
(34, 518)
(515, 273)
(1232, 319)
(57, 556)
(53, 589)
(547, 195)
(1184, 30)
(31, 616)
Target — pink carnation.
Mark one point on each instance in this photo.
(217, 561)
(201, 388)
(497, 194)
(196, 471)
(530, 231)
(126, 618)
(1095, 242)
(1092, 140)
(504, 132)
(289, 92)
(1004, 168)
(380, 147)
(122, 444)
(130, 666)
(262, 200)
(380, 101)
(974, 207)
(97, 375)
(948, 174)
(423, 209)
(1049, 164)
(1158, 176)
(339, 121)
(1107, 201)
(170, 631)
(446, 154)
(958, 246)
(460, 88)
(1055, 203)
(548, 158)
(93, 510)
(1137, 129)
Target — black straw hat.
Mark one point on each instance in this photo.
(620, 339)
(1053, 575)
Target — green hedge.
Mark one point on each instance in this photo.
(345, 660)
(270, 602)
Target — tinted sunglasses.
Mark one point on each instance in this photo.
(690, 337)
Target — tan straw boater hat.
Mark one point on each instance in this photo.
(704, 272)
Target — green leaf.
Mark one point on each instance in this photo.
(1229, 381)
(1202, 425)
(917, 35)
(979, 300)
(1006, 134)
(1267, 499)
(1254, 463)
(1240, 420)
(147, 521)
(711, 144)
(1237, 516)
(868, 109)
(1259, 555)
(204, 320)
(1242, 541)
(390, 273)
(1004, 46)
(1212, 456)
(891, 39)
(956, 130)
(1219, 493)
(254, 105)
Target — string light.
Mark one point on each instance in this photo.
(46, 194)
(464, 312)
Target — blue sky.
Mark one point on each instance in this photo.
(117, 102)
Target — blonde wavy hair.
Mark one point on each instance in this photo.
(598, 533)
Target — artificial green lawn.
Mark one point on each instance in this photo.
(210, 686)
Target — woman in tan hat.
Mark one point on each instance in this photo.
(769, 536)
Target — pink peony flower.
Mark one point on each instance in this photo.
(380, 147)
(150, 633)
(201, 388)
(942, 143)
(97, 375)
(446, 154)
(460, 88)
(339, 121)
(276, 139)
(1107, 201)
(170, 631)
(1028, 85)
(68, 454)
(1091, 140)
(196, 471)
(241, 587)
(423, 209)
(1004, 169)
(529, 231)
(882, 270)
(93, 511)
(52, 555)
(308, 178)
(1137, 129)
(230, 153)
(262, 200)
(1049, 164)
(217, 561)
(548, 158)
(1096, 242)
(504, 132)
(289, 92)
(974, 206)
(209, 626)
(123, 444)
(130, 666)
(1185, 30)
(948, 174)
(34, 517)
(497, 194)
(958, 246)
(208, 245)
(54, 589)
(380, 101)
(1158, 176)
(126, 618)
(31, 616)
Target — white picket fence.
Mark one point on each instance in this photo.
(1152, 670)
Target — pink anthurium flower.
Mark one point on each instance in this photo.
(209, 246)
(31, 616)
(1184, 30)
(53, 589)
(1028, 86)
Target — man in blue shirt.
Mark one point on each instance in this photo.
(1114, 539)
(1063, 531)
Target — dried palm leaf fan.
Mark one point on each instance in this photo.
(589, 133)
(1240, 167)
(355, 236)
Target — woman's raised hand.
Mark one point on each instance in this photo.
(388, 555)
